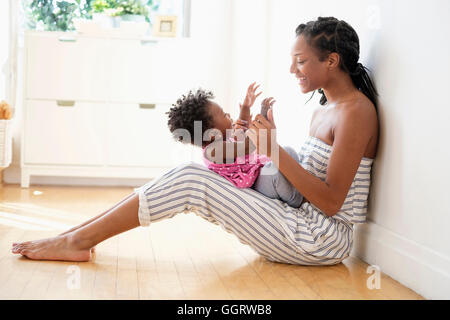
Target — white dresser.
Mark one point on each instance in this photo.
(94, 106)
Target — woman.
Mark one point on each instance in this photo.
(333, 174)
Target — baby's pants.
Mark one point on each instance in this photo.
(273, 184)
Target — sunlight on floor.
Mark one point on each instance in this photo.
(30, 223)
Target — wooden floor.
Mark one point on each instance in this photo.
(184, 257)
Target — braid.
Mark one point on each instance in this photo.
(327, 35)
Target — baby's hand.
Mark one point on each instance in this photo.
(251, 96)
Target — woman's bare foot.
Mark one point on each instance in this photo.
(70, 231)
(62, 248)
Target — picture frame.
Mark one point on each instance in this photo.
(165, 26)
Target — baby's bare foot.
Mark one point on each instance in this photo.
(57, 248)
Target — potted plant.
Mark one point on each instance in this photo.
(53, 16)
(134, 15)
(132, 10)
(125, 10)
(103, 13)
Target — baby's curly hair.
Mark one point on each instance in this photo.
(189, 108)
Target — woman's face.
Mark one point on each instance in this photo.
(311, 73)
(221, 120)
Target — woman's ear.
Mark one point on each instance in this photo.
(333, 60)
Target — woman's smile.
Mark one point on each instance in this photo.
(302, 80)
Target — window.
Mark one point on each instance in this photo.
(69, 15)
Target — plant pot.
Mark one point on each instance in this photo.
(85, 26)
(103, 20)
(132, 28)
(133, 17)
(116, 22)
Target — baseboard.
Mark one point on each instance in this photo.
(12, 175)
(417, 267)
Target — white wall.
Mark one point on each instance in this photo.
(210, 34)
(247, 51)
(410, 207)
(406, 44)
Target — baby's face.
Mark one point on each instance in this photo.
(222, 121)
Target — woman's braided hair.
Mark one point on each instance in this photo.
(327, 35)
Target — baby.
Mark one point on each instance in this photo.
(234, 159)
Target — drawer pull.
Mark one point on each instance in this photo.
(148, 42)
(67, 39)
(65, 103)
(147, 105)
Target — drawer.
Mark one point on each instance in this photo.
(151, 72)
(64, 133)
(67, 67)
(138, 135)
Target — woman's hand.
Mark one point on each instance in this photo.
(266, 105)
(262, 133)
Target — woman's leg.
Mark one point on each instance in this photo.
(93, 219)
(97, 217)
(76, 245)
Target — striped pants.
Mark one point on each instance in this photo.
(272, 228)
